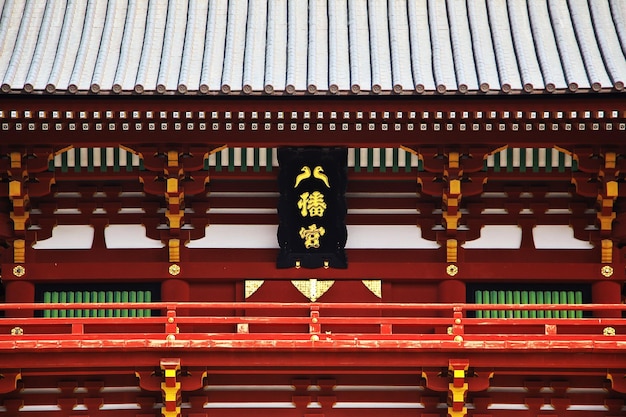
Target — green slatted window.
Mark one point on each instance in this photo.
(528, 295)
(530, 160)
(360, 159)
(50, 294)
(88, 159)
(231, 160)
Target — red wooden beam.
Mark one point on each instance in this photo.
(371, 358)
(448, 120)
(151, 265)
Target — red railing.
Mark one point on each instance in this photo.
(328, 323)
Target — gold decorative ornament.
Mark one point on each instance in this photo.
(174, 269)
(251, 286)
(306, 173)
(375, 286)
(609, 331)
(318, 172)
(19, 271)
(452, 270)
(607, 271)
(315, 338)
(458, 338)
(312, 288)
(171, 338)
(16, 331)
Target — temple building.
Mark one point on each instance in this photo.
(312, 208)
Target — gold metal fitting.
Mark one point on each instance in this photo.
(326, 264)
(452, 270)
(298, 264)
(607, 271)
(314, 320)
(16, 331)
(170, 319)
(174, 269)
(315, 338)
(19, 271)
(458, 338)
(457, 321)
(171, 338)
(609, 331)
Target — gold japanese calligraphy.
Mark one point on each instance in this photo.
(312, 204)
(312, 207)
(311, 236)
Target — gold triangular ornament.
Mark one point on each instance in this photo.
(312, 288)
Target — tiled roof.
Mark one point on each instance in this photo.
(316, 46)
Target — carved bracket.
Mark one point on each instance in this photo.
(457, 389)
(174, 172)
(618, 381)
(452, 173)
(26, 173)
(8, 380)
(600, 174)
(171, 387)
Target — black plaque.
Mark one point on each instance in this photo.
(312, 207)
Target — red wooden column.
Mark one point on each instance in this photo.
(451, 291)
(174, 290)
(28, 177)
(19, 292)
(599, 177)
(606, 292)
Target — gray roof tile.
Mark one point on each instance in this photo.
(314, 46)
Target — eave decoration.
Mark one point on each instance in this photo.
(312, 207)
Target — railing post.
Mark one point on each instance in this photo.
(458, 329)
(170, 326)
(386, 328)
(78, 328)
(550, 329)
(314, 326)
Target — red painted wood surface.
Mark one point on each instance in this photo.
(195, 329)
(383, 359)
(445, 106)
(109, 366)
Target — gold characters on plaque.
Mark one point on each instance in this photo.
(311, 236)
(312, 204)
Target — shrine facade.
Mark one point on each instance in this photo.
(317, 209)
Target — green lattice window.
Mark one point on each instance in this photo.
(97, 294)
(529, 295)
